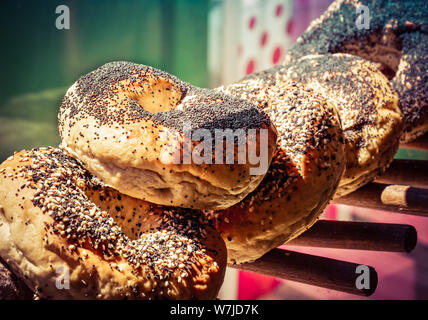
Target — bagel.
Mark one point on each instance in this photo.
(397, 39)
(127, 124)
(304, 173)
(56, 217)
(367, 105)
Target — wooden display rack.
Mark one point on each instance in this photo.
(403, 188)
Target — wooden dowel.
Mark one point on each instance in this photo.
(394, 198)
(420, 143)
(407, 172)
(317, 271)
(359, 236)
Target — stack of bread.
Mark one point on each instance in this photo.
(134, 204)
(376, 79)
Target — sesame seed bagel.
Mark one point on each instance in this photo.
(396, 39)
(367, 105)
(304, 173)
(56, 218)
(143, 132)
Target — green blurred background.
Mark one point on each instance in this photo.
(39, 62)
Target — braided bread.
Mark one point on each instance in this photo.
(367, 105)
(304, 174)
(127, 124)
(397, 40)
(56, 217)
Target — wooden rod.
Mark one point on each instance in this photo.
(420, 143)
(309, 269)
(408, 172)
(394, 198)
(359, 235)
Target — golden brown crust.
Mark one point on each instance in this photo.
(56, 216)
(126, 123)
(304, 173)
(367, 105)
(397, 39)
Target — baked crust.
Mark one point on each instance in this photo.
(304, 173)
(56, 216)
(396, 39)
(367, 105)
(125, 122)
